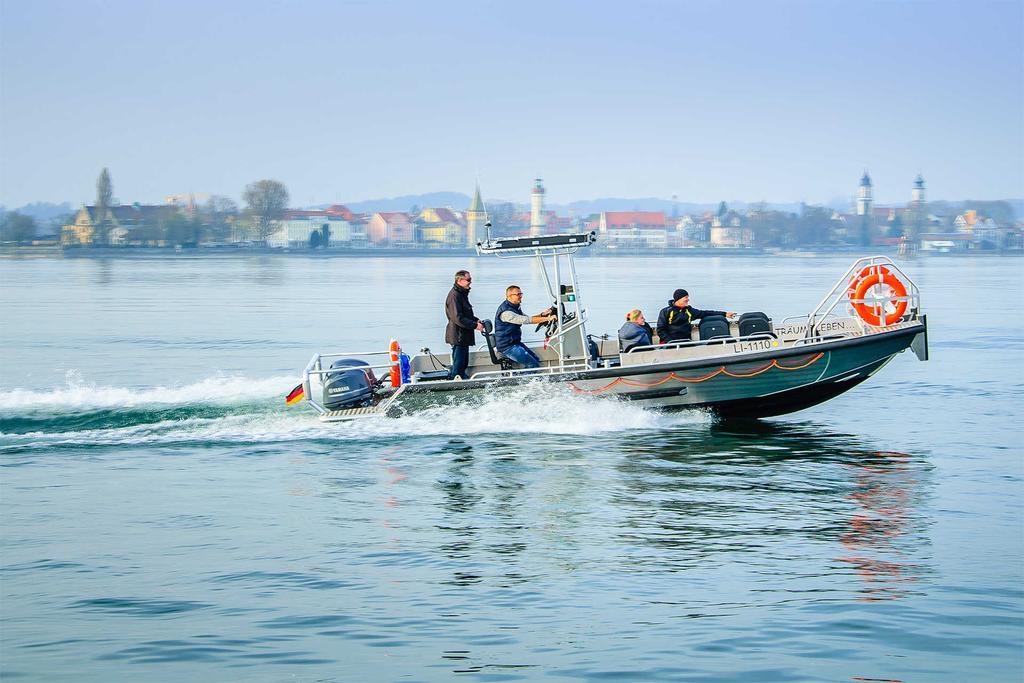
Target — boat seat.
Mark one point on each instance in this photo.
(714, 327)
(497, 357)
(755, 323)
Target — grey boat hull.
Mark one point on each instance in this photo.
(747, 385)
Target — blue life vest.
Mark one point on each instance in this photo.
(507, 334)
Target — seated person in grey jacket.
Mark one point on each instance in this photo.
(508, 327)
(635, 331)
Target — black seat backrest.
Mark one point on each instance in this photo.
(755, 322)
(496, 357)
(714, 327)
(489, 336)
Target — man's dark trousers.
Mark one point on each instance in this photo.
(460, 361)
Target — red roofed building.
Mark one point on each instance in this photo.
(339, 210)
(558, 224)
(642, 229)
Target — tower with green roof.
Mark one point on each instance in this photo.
(475, 217)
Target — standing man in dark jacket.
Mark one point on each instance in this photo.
(675, 320)
(461, 324)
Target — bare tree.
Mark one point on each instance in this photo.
(218, 214)
(104, 192)
(265, 201)
(18, 228)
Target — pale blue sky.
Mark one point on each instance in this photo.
(343, 101)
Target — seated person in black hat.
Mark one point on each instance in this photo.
(675, 320)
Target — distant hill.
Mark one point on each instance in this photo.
(588, 206)
(458, 200)
(43, 212)
(49, 217)
(1018, 207)
(455, 200)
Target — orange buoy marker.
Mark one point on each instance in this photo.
(395, 351)
(876, 316)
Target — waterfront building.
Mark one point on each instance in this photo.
(440, 227)
(728, 231)
(295, 230)
(966, 221)
(359, 230)
(984, 232)
(634, 229)
(135, 224)
(391, 228)
(944, 242)
(537, 223)
(556, 223)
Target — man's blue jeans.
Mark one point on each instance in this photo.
(460, 361)
(522, 355)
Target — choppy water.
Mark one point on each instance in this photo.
(164, 516)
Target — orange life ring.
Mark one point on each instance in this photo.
(880, 276)
(395, 351)
(855, 281)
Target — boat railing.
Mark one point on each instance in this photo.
(840, 294)
(531, 372)
(757, 336)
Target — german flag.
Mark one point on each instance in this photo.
(295, 395)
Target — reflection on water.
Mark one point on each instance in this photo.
(884, 525)
(266, 270)
(683, 500)
(103, 271)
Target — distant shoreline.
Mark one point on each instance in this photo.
(144, 253)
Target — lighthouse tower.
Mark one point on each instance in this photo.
(475, 217)
(917, 194)
(864, 196)
(537, 209)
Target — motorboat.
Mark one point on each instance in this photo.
(749, 367)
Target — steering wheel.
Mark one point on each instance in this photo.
(551, 326)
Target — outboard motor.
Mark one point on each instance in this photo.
(349, 384)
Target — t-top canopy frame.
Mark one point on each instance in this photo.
(541, 245)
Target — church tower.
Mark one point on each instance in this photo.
(537, 209)
(864, 196)
(475, 217)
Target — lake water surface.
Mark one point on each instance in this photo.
(165, 517)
